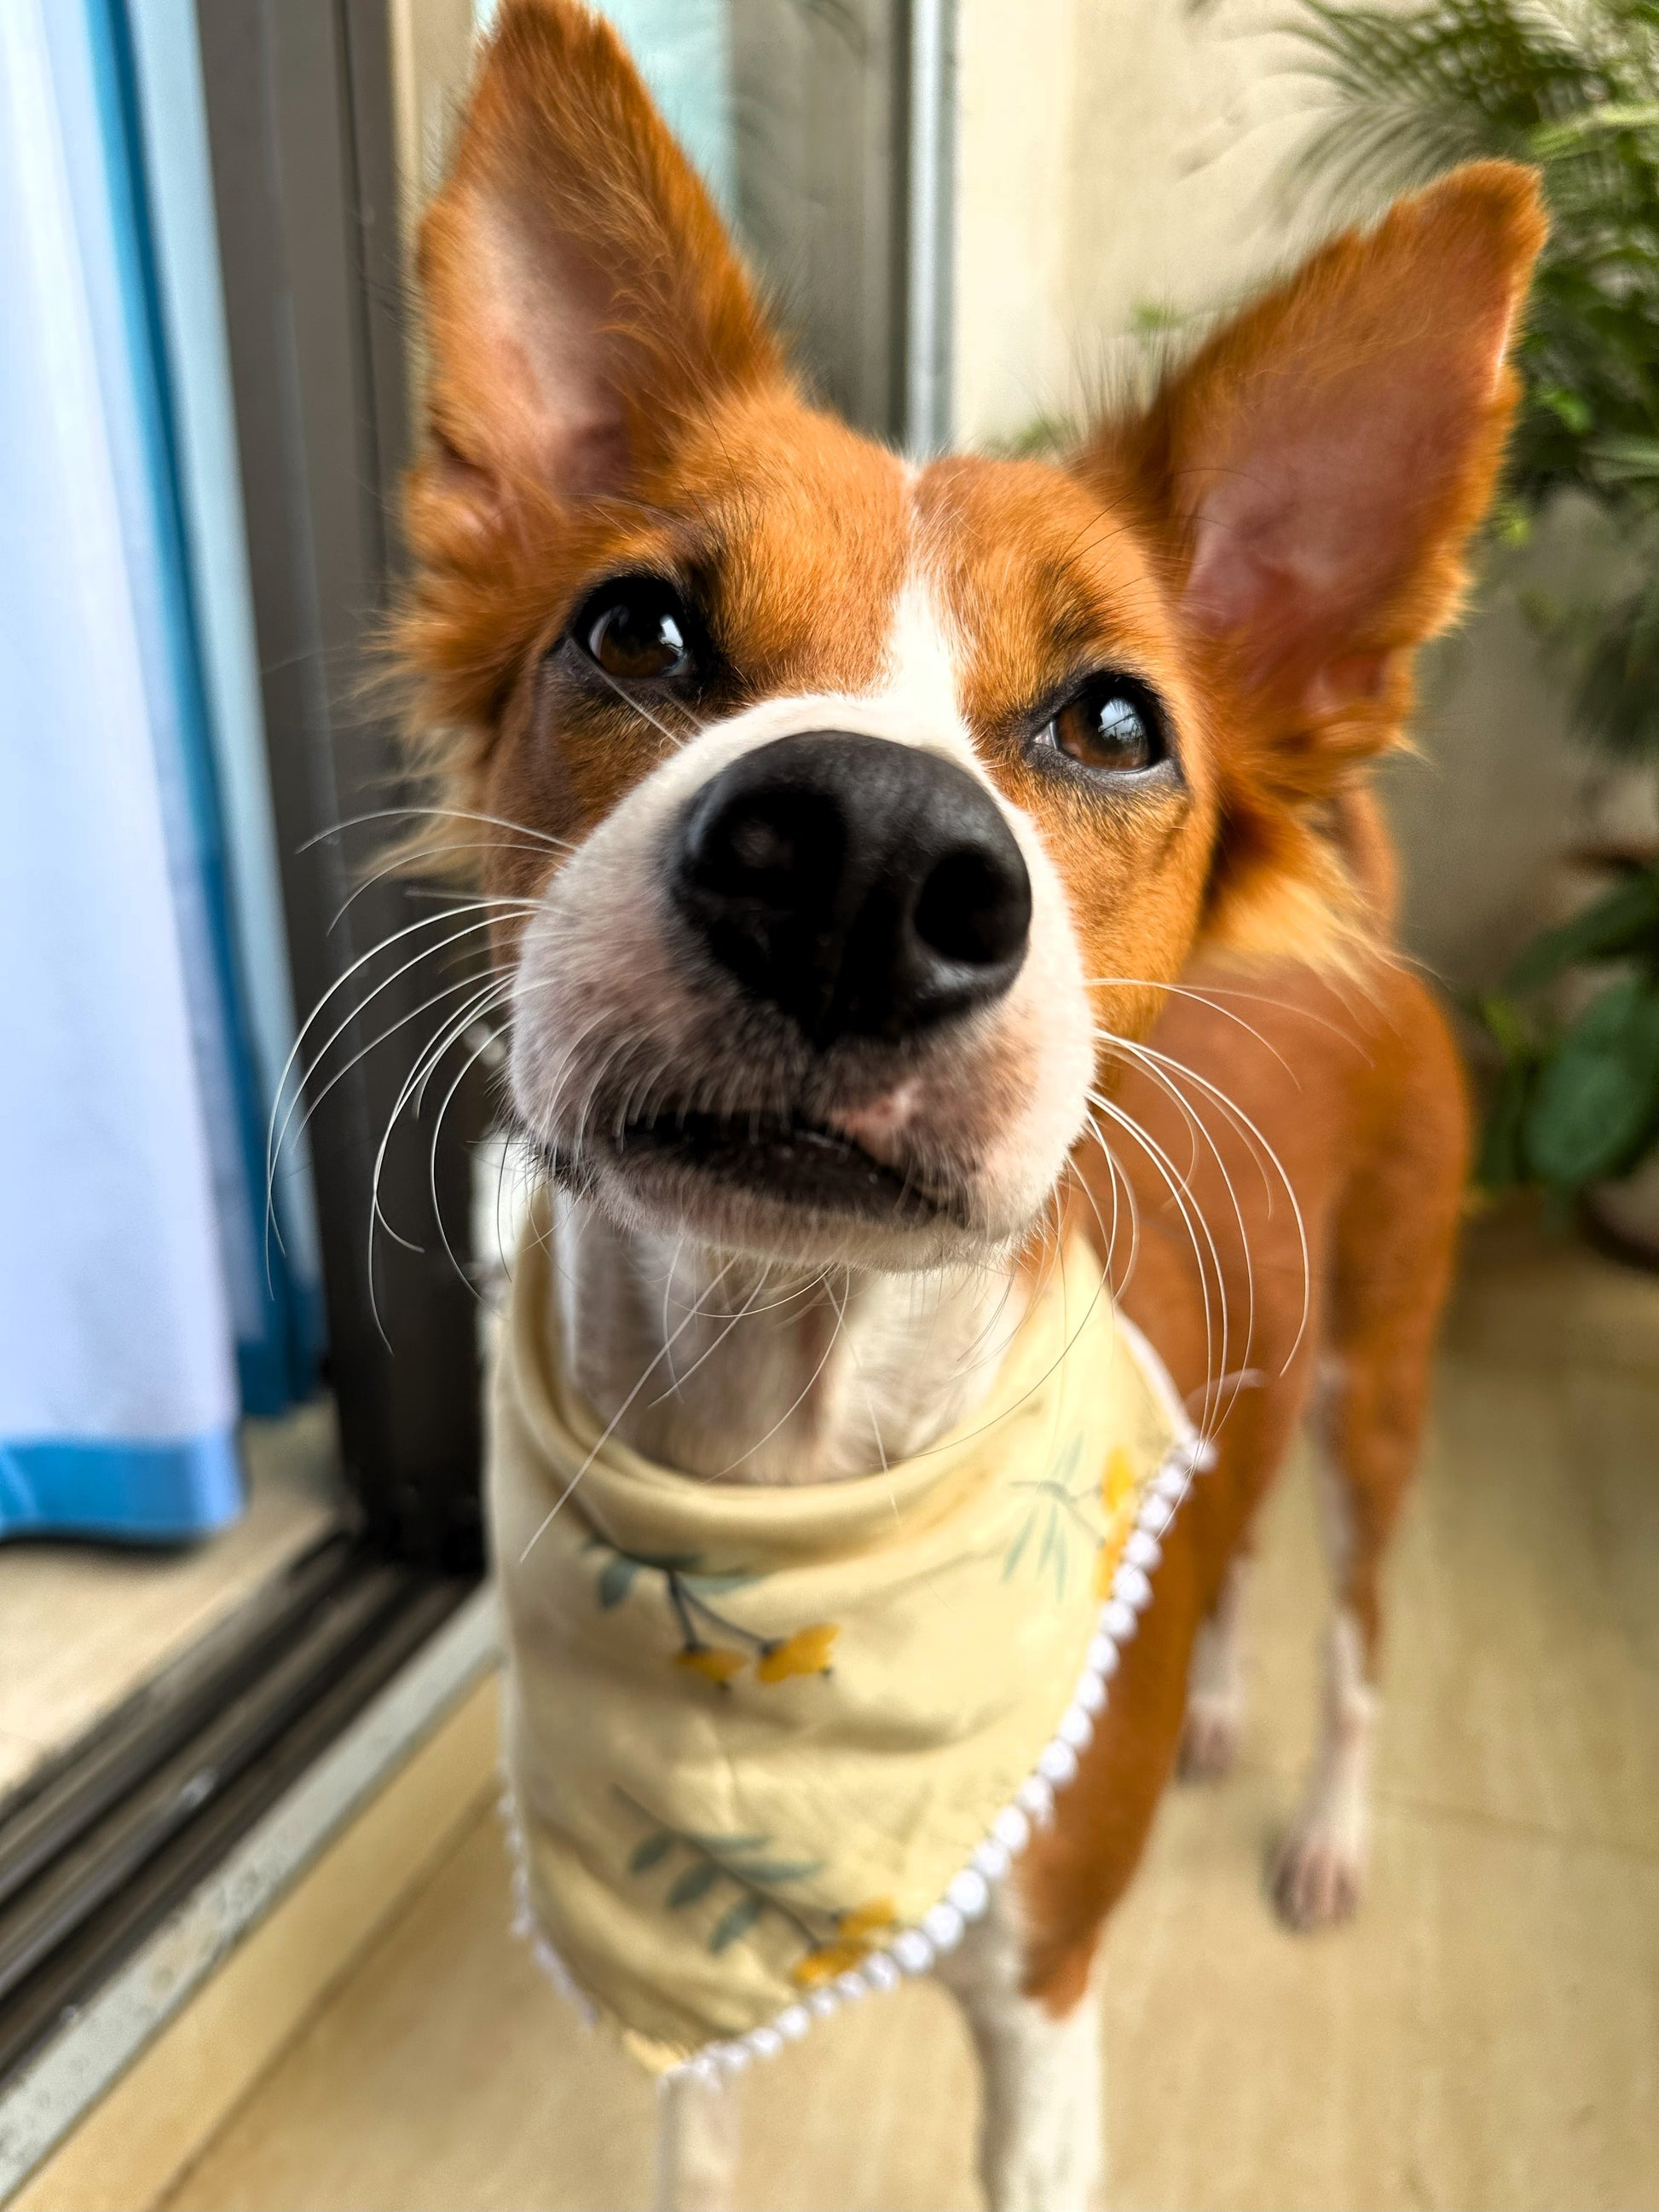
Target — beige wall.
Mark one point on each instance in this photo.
(1118, 155)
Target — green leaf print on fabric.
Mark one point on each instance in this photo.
(741, 1859)
(736, 1921)
(696, 1881)
(1057, 1507)
(616, 1579)
(651, 1852)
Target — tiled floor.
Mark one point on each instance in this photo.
(1486, 2033)
(82, 1625)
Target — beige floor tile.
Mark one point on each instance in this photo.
(1521, 1668)
(1485, 2033)
(446, 2073)
(81, 1625)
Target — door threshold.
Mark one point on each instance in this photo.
(134, 2076)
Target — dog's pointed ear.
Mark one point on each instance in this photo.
(581, 295)
(1318, 467)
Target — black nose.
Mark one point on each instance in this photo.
(866, 888)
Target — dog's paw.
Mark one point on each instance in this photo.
(1319, 1872)
(1210, 1737)
(1040, 2181)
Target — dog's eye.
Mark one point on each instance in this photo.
(1113, 724)
(637, 630)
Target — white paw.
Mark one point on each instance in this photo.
(1034, 2178)
(1210, 1736)
(1320, 1871)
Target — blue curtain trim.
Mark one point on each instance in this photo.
(281, 1363)
(142, 1493)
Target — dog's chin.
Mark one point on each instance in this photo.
(786, 1188)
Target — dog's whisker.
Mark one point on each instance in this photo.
(1262, 1149)
(609, 1430)
(401, 864)
(273, 1142)
(1197, 1127)
(1192, 1217)
(799, 1400)
(495, 991)
(466, 1067)
(639, 707)
(540, 837)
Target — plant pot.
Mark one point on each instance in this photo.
(1622, 1219)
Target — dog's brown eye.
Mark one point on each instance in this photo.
(1113, 724)
(636, 631)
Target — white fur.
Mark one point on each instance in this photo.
(698, 2138)
(758, 1372)
(1041, 2147)
(917, 685)
(1321, 1865)
(1215, 1684)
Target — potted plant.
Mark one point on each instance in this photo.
(1574, 89)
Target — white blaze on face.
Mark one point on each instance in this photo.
(919, 686)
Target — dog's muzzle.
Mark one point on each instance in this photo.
(865, 888)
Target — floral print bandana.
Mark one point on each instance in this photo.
(768, 1748)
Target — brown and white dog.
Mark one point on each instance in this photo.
(852, 824)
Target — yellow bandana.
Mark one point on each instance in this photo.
(767, 1747)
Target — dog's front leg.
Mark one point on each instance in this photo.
(1042, 2143)
(697, 2140)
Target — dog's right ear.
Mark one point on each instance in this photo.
(581, 295)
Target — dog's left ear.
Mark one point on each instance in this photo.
(1313, 476)
(1321, 463)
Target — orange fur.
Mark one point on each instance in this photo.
(1267, 546)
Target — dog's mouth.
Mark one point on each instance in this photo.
(787, 1158)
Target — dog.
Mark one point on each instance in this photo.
(890, 864)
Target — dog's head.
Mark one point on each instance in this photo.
(840, 809)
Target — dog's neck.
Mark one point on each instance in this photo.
(741, 1371)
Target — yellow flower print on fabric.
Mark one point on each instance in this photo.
(857, 1931)
(806, 1652)
(1066, 1509)
(1117, 1482)
(716, 1662)
(689, 1592)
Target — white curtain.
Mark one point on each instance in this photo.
(131, 1276)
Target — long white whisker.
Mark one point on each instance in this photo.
(311, 1100)
(610, 1427)
(1253, 1134)
(440, 814)
(495, 992)
(679, 1382)
(805, 1391)
(425, 921)
(1198, 1128)
(392, 867)
(1190, 1213)
(639, 707)
(467, 1065)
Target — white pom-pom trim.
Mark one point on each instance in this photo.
(968, 1894)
